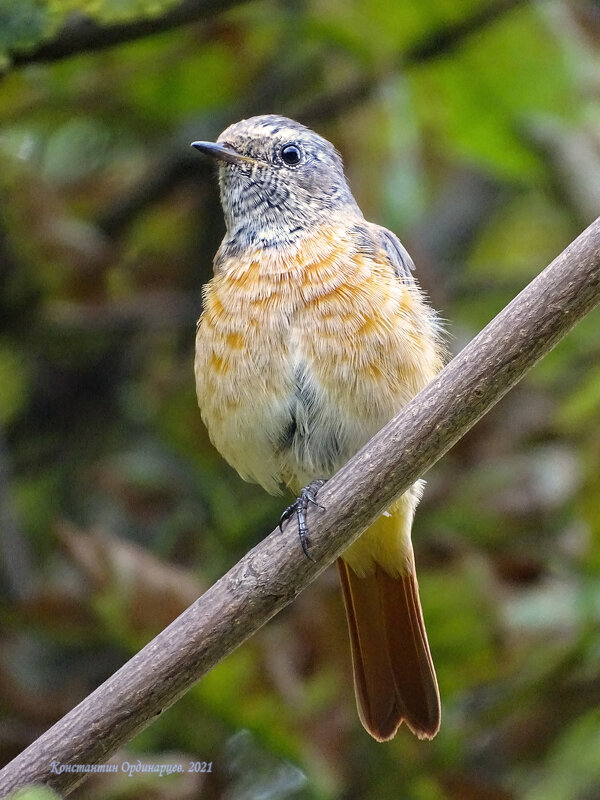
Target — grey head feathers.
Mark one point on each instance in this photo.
(287, 180)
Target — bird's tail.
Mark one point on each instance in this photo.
(394, 677)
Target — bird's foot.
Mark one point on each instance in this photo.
(307, 495)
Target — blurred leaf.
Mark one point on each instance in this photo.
(75, 149)
(583, 401)
(112, 10)
(33, 793)
(465, 650)
(15, 378)
(22, 23)
(256, 774)
(133, 590)
(514, 69)
(572, 768)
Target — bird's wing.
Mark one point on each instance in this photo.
(396, 252)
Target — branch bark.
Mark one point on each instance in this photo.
(275, 571)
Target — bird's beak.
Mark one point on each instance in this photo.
(222, 152)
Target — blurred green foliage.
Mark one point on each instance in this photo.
(34, 793)
(470, 128)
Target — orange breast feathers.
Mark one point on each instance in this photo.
(303, 352)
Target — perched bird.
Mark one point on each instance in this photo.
(313, 335)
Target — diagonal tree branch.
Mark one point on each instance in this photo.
(275, 571)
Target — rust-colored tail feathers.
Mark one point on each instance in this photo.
(394, 676)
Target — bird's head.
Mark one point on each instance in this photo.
(277, 177)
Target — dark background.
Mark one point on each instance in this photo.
(472, 129)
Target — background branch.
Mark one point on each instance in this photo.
(82, 34)
(433, 45)
(177, 166)
(275, 571)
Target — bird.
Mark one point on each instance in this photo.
(313, 334)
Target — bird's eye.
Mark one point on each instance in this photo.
(291, 155)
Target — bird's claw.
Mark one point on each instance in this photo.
(307, 495)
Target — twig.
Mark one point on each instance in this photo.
(433, 45)
(275, 571)
(82, 34)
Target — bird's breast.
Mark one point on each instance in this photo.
(304, 352)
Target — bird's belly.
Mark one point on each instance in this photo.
(267, 412)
